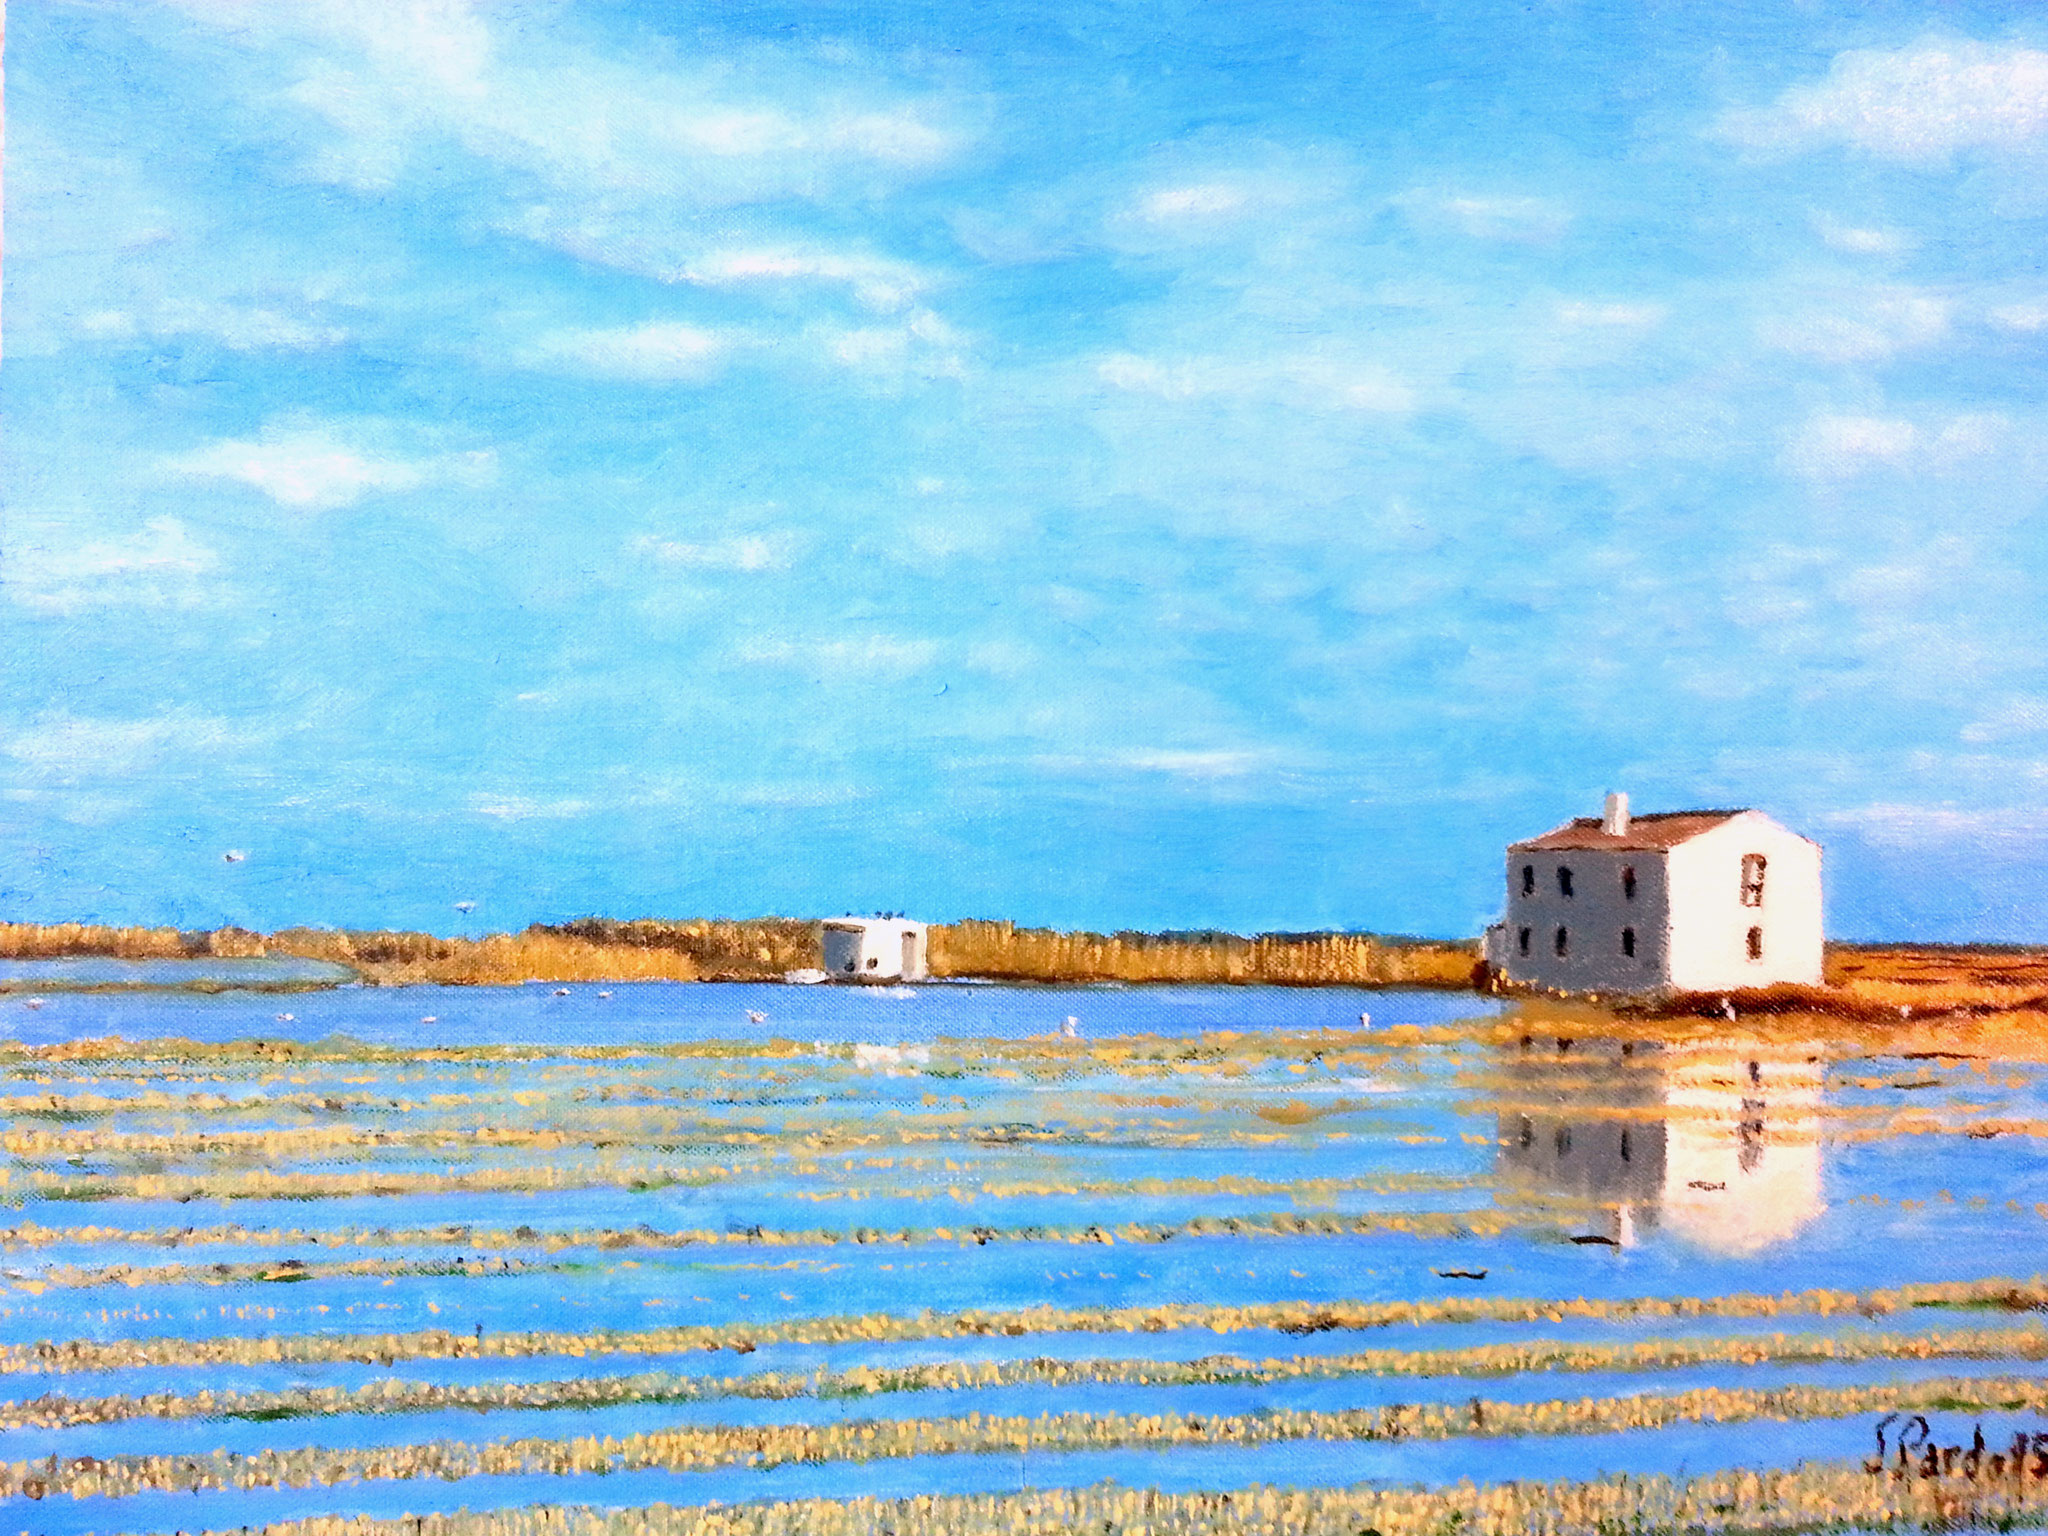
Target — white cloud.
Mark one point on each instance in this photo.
(1003, 658)
(158, 566)
(2016, 719)
(238, 327)
(1516, 219)
(1183, 764)
(1860, 240)
(1326, 382)
(1837, 447)
(401, 82)
(2027, 319)
(657, 352)
(867, 655)
(925, 346)
(1862, 327)
(1196, 765)
(1916, 105)
(743, 552)
(309, 469)
(1260, 196)
(798, 795)
(1622, 316)
(526, 808)
(676, 165)
(66, 746)
(870, 347)
(1903, 825)
(880, 283)
(1205, 200)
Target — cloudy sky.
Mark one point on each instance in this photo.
(1094, 463)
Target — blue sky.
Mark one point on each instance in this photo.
(1098, 464)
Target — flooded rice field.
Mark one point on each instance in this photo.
(966, 1258)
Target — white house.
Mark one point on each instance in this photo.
(875, 949)
(1679, 901)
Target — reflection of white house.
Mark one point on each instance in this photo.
(1720, 1145)
(1583, 1120)
(1680, 901)
(1741, 1148)
(875, 949)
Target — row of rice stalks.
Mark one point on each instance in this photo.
(2000, 1491)
(1297, 1318)
(704, 1448)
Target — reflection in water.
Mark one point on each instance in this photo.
(1718, 1142)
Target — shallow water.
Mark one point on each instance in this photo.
(1188, 1148)
(69, 971)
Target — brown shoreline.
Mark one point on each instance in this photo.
(597, 950)
(1866, 983)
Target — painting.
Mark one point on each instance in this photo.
(1272, 768)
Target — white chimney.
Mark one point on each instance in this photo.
(1615, 822)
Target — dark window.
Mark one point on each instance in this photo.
(1522, 940)
(1564, 881)
(1752, 879)
(1628, 942)
(1528, 879)
(1628, 882)
(1624, 1144)
(1563, 1139)
(1528, 1130)
(1756, 943)
(1749, 1136)
(1563, 941)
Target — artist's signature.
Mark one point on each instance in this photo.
(1906, 1445)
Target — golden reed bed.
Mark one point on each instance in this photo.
(713, 1446)
(765, 949)
(1293, 1318)
(1818, 1497)
(407, 1396)
(1863, 980)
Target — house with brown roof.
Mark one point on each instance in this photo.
(1676, 901)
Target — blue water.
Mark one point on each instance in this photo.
(106, 971)
(1753, 1166)
(658, 1012)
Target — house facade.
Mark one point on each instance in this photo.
(1678, 901)
(875, 949)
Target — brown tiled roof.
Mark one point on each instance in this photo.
(1658, 830)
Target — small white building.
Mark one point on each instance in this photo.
(1679, 901)
(875, 949)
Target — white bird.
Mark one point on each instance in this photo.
(465, 906)
(33, 1002)
(234, 856)
(604, 994)
(285, 1018)
(756, 1018)
(561, 991)
(430, 1019)
(1072, 1028)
